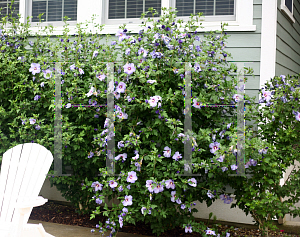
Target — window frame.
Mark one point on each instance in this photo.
(28, 12)
(287, 12)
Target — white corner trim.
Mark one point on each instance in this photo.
(287, 11)
(268, 41)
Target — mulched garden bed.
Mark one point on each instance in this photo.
(64, 214)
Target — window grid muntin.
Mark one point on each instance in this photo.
(62, 15)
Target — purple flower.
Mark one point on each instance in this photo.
(178, 200)
(120, 34)
(210, 195)
(266, 95)
(194, 182)
(197, 67)
(68, 105)
(128, 187)
(81, 71)
(95, 54)
(91, 155)
(210, 232)
(177, 156)
(196, 104)
(129, 68)
(121, 87)
(123, 156)
(127, 201)
(97, 186)
(221, 158)
(158, 188)
(113, 42)
(131, 177)
(297, 116)
(188, 229)
(37, 97)
(23, 121)
(149, 185)
(125, 210)
(237, 97)
(37, 127)
(121, 222)
(182, 206)
(167, 152)
(170, 184)
(32, 121)
(98, 201)
(233, 167)
(143, 209)
(72, 67)
(262, 151)
(120, 189)
(173, 195)
(47, 73)
(35, 68)
(113, 184)
(214, 147)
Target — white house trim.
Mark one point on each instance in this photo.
(268, 41)
(86, 8)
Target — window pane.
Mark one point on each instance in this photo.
(224, 7)
(3, 5)
(156, 4)
(205, 6)
(134, 8)
(54, 10)
(38, 8)
(16, 10)
(184, 7)
(116, 9)
(70, 9)
(289, 4)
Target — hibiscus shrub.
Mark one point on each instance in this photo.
(27, 78)
(149, 129)
(273, 150)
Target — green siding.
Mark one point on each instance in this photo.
(246, 47)
(288, 42)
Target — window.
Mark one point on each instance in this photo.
(208, 7)
(287, 8)
(214, 10)
(129, 11)
(54, 10)
(4, 4)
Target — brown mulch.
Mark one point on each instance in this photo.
(63, 214)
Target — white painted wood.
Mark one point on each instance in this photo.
(23, 172)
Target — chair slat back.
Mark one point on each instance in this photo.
(23, 172)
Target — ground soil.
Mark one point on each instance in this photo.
(65, 214)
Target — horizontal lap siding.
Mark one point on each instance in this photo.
(288, 42)
(246, 47)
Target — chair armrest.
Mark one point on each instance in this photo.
(25, 207)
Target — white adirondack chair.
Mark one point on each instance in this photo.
(23, 172)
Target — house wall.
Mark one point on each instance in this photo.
(288, 42)
(288, 57)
